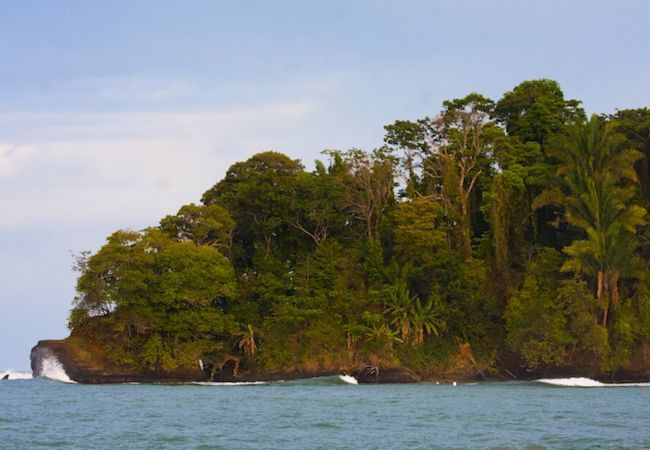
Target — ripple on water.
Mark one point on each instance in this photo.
(518, 415)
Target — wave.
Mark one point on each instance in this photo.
(16, 375)
(51, 368)
(348, 379)
(228, 383)
(586, 383)
(335, 380)
(331, 380)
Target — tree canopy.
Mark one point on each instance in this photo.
(509, 227)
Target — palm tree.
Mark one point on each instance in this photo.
(610, 224)
(383, 336)
(425, 319)
(410, 317)
(596, 174)
(353, 332)
(399, 306)
(247, 341)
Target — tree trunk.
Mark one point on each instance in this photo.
(599, 291)
(465, 232)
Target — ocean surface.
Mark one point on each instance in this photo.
(322, 413)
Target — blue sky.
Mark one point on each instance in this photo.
(113, 114)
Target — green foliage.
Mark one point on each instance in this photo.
(154, 287)
(595, 170)
(535, 321)
(448, 236)
(549, 318)
(536, 109)
(204, 225)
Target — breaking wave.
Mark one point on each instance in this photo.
(16, 375)
(228, 383)
(586, 383)
(51, 368)
(316, 381)
(348, 379)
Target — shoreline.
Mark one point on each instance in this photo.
(57, 355)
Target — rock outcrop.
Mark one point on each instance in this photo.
(375, 374)
(85, 362)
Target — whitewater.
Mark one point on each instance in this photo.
(582, 382)
(51, 369)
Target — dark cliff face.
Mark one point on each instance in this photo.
(85, 363)
(89, 365)
(40, 353)
(374, 374)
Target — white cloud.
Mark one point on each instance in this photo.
(88, 168)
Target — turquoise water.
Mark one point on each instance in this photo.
(321, 413)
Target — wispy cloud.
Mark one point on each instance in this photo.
(85, 168)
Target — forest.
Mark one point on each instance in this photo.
(508, 229)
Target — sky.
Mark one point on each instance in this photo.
(114, 114)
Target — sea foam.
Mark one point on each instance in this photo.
(51, 368)
(228, 383)
(348, 379)
(16, 375)
(586, 383)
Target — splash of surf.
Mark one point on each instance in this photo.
(348, 379)
(16, 375)
(586, 383)
(51, 368)
(228, 383)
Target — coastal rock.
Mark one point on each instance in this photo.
(375, 374)
(83, 362)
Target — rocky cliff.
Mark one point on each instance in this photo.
(85, 362)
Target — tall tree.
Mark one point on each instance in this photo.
(369, 184)
(411, 139)
(258, 193)
(153, 285)
(206, 225)
(319, 204)
(596, 171)
(635, 125)
(461, 149)
(532, 113)
(536, 110)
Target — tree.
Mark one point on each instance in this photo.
(411, 318)
(520, 174)
(461, 149)
(369, 183)
(206, 225)
(399, 307)
(319, 203)
(536, 110)
(155, 285)
(419, 231)
(426, 319)
(412, 139)
(258, 194)
(247, 340)
(548, 318)
(532, 113)
(596, 171)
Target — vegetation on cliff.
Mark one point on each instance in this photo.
(512, 228)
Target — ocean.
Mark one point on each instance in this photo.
(326, 413)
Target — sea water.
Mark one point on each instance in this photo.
(326, 413)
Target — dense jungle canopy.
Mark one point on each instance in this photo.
(512, 227)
